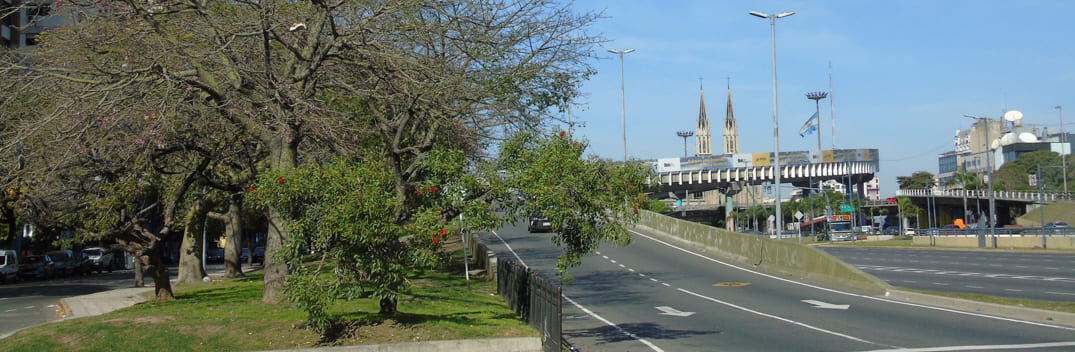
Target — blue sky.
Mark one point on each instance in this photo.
(903, 73)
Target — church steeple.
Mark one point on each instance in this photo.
(731, 131)
(703, 140)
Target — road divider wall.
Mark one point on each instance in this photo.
(786, 258)
(1005, 241)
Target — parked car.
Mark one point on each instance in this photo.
(99, 259)
(37, 266)
(1057, 224)
(538, 223)
(892, 230)
(64, 261)
(215, 255)
(244, 255)
(259, 255)
(9, 265)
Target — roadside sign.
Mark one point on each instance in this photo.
(845, 207)
(799, 215)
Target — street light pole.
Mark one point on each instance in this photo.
(989, 167)
(816, 97)
(685, 135)
(623, 99)
(1063, 150)
(776, 116)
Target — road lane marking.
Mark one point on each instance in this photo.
(1060, 293)
(825, 305)
(666, 310)
(580, 307)
(786, 320)
(974, 286)
(1026, 346)
(613, 325)
(879, 299)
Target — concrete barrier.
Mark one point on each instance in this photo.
(783, 258)
(1006, 241)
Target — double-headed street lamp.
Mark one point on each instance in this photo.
(989, 167)
(685, 135)
(623, 99)
(776, 117)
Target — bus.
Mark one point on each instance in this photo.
(835, 227)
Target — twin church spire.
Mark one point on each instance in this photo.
(703, 141)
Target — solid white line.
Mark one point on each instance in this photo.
(1026, 346)
(609, 323)
(591, 313)
(948, 310)
(786, 320)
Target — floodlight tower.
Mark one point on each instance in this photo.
(685, 135)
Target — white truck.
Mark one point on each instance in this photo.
(9, 265)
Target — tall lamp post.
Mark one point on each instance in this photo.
(989, 167)
(1063, 149)
(776, 118)
(816, 96)
(623, 99)
(685, 135)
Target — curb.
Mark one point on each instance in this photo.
(63, 309)
(506, 344)
(1014, 312)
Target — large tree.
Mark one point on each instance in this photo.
(298, 82)
(917, 180)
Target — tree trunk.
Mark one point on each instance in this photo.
(150, 259)
(388, 307)
(191, 269)
(139, 278)
(283, 157)
(232, 238)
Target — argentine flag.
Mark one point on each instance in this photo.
(809, 127)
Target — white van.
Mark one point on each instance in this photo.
(9, 265)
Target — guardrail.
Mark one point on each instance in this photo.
(984, 194)
(536, 299)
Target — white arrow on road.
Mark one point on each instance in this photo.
(823, 305)
(665, 310)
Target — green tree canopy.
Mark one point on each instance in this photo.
(917, 180)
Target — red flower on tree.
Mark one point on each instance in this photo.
(280, 180)
(443, 232)
(563, 134)
(435, 239)
(252, 188)
(432, 189)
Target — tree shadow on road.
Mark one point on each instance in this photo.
(633, 331)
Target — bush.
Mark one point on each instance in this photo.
(657, 206)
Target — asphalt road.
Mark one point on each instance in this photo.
(35, 302)
(654, 296)
(1026, 275)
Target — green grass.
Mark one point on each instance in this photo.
(1068, 307)
(227, 315)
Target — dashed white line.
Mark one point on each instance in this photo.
(1060, 293)
(584, 309)
(974, 286)
(621, 265)
(1013, 290)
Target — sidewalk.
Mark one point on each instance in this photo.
(108, 301)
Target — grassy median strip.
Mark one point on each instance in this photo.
(1067, 307)
(227, 315)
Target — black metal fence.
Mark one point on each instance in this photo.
(534, 298)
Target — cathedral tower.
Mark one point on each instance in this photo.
(731, 131)
(704, 144)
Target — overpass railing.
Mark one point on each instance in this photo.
(1024, 196)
